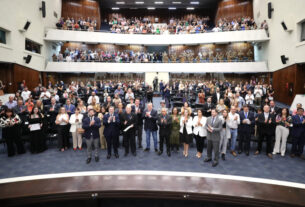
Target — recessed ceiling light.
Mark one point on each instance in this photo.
(194, 2)
(176, 2)
(139, 2)
(158, 2)
(120, 2)
(151, 8)
(190, 8)
(115, 8)
(171, 8)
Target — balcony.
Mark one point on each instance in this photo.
(93, 67)
(146, 39)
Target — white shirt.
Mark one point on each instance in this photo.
(200, 130)
(231, 122)
(47, 93)
(96, 98)
(266, 115)
(258, 93)
(25, 95)
(188, 126)
(249, 99)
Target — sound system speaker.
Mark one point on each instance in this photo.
(27, 59)
(284, 25)
(284, 59)
(27, 25)
(43, 9)
(270, 10)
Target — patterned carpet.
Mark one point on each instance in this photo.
(53, 161)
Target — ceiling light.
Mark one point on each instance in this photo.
(194, 2)
(176, 2)
(115, 8)
(158, 2)
(139, 2)
(190, 8)
(171, 8)
(151, 8)
(120, 2)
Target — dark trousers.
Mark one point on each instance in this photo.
(213, 146)
(269, 139)
(162, 138)
(112, 142)
(63, 136)
(10, 141)
(129, 140)
(139, 134)
(244, 141)
(298, 145)
(199, 143)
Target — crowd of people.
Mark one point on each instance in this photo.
(84, 24)
(101, 111)
(188, 25)
(129, 56)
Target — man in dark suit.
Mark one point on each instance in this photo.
(214, 126)
(150, 117)
(112, 131)
(266, 122)
(273, 109)
(164, 122)
(208, 106)
(52, 111)
(216, 96)
(70, 108)
(298, 133)
(91, 125)
(138, 109)
(246, 127)
(128, 123)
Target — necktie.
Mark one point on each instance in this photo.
(246, 115)
(301, 118)
(213, 121)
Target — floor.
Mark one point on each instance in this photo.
(53, 161)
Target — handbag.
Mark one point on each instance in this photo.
(80, 130)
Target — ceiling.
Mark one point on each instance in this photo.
(130, 4)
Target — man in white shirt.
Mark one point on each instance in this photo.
(258, 93)
(249, 98)
(233, 122)
(241, 100)
(25, 94)
(45, 96)
(95, 96)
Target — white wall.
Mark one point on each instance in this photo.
(281, 42)
(14, 14)
(150, 76)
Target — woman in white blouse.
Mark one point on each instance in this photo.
(199, 131)
(62, 121)
(76, 123)
(186, 131)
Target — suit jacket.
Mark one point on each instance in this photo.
(298, 128)
(112, 128)
(246, 128)
(165, 127)
(266, 128)
(138, 115)
(214, 98)
(150, 122)
(18, 110)
(91, 130)
(70, 108)
(131, 119)
(217, 127)
(206, 107)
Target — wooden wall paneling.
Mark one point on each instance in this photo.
(6, 76)
(31, 77)
(81, 8)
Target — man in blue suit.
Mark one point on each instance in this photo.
(70, 108)
(298, 134)
(150, 126)
(91, 125)
(246, 127)
(112, 131)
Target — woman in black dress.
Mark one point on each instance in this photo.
(10, 122)
(186, 131)
(36, 133)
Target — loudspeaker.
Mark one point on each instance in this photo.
(284, 59)
(270, 10)
(284, 25)
(27, 25)
(43, 9)
(27, 59)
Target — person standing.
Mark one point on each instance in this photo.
(138, 109)
(298, 133)
(36, 135)
(150, 117)
(283, 122)
(225, 134)
(76, 124)
(91, 125)
(111, 122)
(246, 127)
(266, 121)
(175, 127)
(101, 130)
(199, 131)
(214, 126)
(128, 123)
(186, 124)
(62, 121)
(233, 122)
(164, 122)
